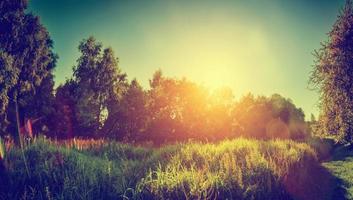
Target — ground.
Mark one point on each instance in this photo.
(341, 166)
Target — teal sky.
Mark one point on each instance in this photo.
(263, 47)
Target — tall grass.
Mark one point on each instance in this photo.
(237, 169)
(233, 169)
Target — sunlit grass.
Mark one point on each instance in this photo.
(236, 169)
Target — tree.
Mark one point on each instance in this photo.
(332, 76)
(40, 107)
(269, 117)
(162, 109)
(293, 117)
(27, 42)
(87, 107)
(99, 83)
(65, 125)
(8, 79)
(252, 114)
(128, 118)
(171, 103)
(180, 110)
(219, 114)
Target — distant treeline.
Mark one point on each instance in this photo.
(170, 110)
(99, 101)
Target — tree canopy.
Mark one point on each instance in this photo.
(97, 84)
(27, 58)
(333, 77)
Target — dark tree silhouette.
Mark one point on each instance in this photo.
(128, 118)
(26, 41)
(66, 125)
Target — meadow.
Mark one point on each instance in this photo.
(231, 169)
(217, 121)
(341, 166)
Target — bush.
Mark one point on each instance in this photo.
(323, 147)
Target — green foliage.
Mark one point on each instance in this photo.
(99, 83)
(342, 166)
(333, 77)
(65, 107)
(8, 79)
(269, 117)
(177, 108)
(128, 117)
(40, 106)
(180, 110)
(241, 169)
(62, 173)
(171, 110)
(26, 58)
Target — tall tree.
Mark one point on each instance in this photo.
(164, 110)
(84, 75)
(333, 77)
(99, 82)
(27, 42)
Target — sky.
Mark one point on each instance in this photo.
(257, 46)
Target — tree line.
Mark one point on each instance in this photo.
(99, 100)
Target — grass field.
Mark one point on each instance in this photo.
(232, 169)
(341, 166)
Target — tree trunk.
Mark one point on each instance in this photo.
(18, 140)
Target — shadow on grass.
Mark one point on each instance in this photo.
(341, 166)
(329, 185)
(315, 183)
(340, 153)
